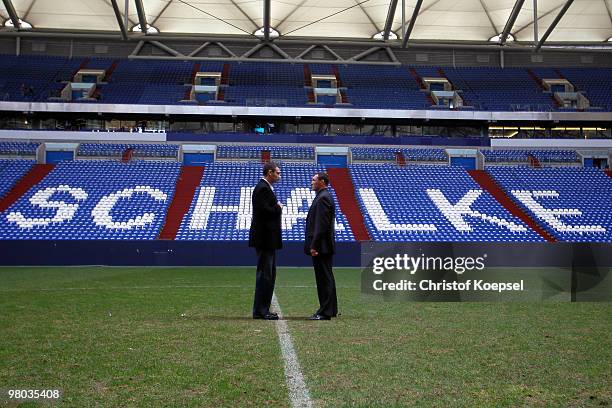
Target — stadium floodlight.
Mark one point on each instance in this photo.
(497, 38)
(381, 36)
(150, 29)
(272, 33)
(23, 24)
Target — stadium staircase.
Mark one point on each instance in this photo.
(533, 161)
(400, 159)
(337, 75)
(109, 72)
(417, 78)
(225, 74)
(188, 180)
(265, 156)
(558, 72)
(341, 180)
(82, 66)
(443, 75)
(308, 83)
(540, 84)
(488, 184)
(194, 72)
(33, 177)
(127, 155)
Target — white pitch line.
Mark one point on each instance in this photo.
(298, 391)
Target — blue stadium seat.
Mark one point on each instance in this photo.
(432, 203)
(93, 199)
(221, 206)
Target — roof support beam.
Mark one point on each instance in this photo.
(359, 3)
(142, 18)
(137, 49)
(161, 12)
(266, 20)
(392, 55)
(281, 22)
(12, 13)
(365, 53)
(554, 24)
(511, 19)
(200, 48)
(164, 47)
(415, 14)
(255, 26)
(217, 43)
(484, 8)
(535, 23)
(119, 19)
(389, 21)
(536, 20)
(27, 13)
(608, 10)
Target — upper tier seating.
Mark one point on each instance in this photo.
(277, 84)
(595, 83)
(521, 156)
(18, 148)
(254, 152)
(495, 89)
(388, 154)
(29, 78)
(117, 149)
(381, 87)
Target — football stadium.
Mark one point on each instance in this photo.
(184, 182)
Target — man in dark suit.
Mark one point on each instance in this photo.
(320, 245)
(265, 236)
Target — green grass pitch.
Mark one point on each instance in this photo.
(184, 337)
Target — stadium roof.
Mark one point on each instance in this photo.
(581, 21)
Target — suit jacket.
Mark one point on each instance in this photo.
(265, 232)
(320, 224)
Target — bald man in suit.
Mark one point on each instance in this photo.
(320, 245)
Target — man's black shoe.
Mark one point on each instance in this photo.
(319, 317)
(269, 316)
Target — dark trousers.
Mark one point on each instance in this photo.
(326, 285)
(264, 281)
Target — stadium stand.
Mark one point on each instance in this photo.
(11, 171)
(517, 155)
(573, 204)
(379, 87)
(495, 89)
(117, 149)
(32, 78)
(254, 152)
(94, 200)
(221, 206)
(18, 148)
(432, 203)
(388, 154)
(266, 84)
(594, 82)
